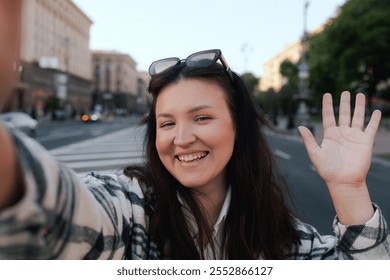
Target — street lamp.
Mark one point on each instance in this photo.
(302, 116)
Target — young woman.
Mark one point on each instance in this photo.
(208, 190)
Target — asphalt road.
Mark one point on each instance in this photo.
(57, 134)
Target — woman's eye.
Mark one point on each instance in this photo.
(166, 124)
(202, 118)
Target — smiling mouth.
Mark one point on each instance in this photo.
(192, 157)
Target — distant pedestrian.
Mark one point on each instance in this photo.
(209, 188)
(291, 122)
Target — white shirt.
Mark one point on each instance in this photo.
(217, 231)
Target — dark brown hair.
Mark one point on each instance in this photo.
(258, 223)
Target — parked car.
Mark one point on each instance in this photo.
(21, 121)
(119, 112)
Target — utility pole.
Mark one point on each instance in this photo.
(245, 49)
(302, 116)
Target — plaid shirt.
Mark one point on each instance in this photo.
(107, 217)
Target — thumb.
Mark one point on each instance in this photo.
(308, 140)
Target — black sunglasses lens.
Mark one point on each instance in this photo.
(202, 59)
(161, 65)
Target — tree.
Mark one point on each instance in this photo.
(352, 52)
(289, 90)
(289, 71)
(268, 101)
(251, 81)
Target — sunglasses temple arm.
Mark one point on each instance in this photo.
(227, 67)
(224, 63)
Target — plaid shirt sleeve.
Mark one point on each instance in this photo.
(64, 217)
(369, 241)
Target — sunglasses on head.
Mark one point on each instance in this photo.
(199, 59)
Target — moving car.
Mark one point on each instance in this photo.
(21, 121)
(91, 117)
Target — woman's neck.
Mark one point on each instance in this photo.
(211, 203)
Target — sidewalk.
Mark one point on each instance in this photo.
(381, 145)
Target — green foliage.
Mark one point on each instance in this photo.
(352, 53)
(288, 92)
(289, 70)
(268, 101)
(53, 103)
(251, 81)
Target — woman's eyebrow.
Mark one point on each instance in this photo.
(192, 110)
(198, 108)
(163, 115)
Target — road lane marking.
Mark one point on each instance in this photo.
(282, 155)
(380, 161)
(99, 156)
(56, 136)
(112, 151)
(98, 165)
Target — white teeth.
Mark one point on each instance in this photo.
(192, 157)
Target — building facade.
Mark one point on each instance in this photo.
(115, 82)
(272, 79)
(144, 99)
(56, 62)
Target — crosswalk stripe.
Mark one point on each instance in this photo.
(111, 152)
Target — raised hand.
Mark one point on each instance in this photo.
(344, 156)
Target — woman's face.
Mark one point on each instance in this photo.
(195, 133)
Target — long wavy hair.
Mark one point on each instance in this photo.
(258, 223)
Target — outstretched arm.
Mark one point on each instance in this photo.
(344, 156)
(9, 53)
(10, 189)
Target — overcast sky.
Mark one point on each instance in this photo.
(249, 32)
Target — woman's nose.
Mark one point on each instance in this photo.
(184, 136)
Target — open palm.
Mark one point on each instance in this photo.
(344, 156)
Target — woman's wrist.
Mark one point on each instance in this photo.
(352, 203)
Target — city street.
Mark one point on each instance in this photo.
(53, 134)
(107, 153)
(112, 145)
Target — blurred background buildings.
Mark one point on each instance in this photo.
(61, 77)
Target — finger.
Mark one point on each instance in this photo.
(345, 109)
(358, 114)
(308, 140)
(328, 119)
(373, 125)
